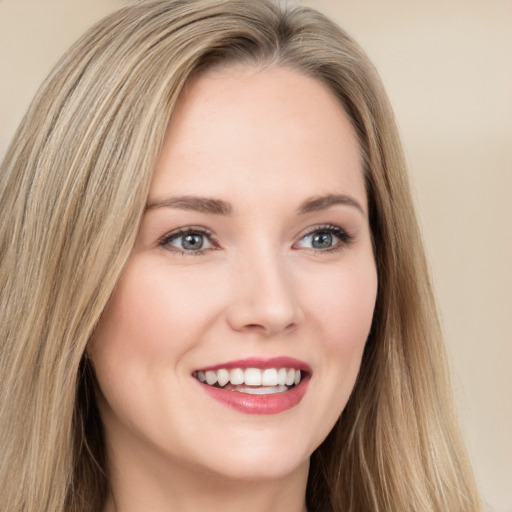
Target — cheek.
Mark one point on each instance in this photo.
(143, 332)
(344, 306)
(130, 327)
(140, 346)
(343, 314)
(149, 316)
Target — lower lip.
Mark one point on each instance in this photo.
(273, 403)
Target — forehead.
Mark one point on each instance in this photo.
(242, 128)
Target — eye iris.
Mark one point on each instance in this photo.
(192, 242)
(322, 240)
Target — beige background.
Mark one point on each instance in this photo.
(447, 66)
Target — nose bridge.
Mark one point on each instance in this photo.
(264, 298)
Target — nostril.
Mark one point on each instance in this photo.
(269, 329)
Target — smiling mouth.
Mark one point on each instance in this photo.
(252, 381)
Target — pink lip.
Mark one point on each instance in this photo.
(262, 364)
(259, 404)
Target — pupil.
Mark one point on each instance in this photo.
(191, 242)
(322, 240)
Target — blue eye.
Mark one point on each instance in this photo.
(321, 240)
(188, 241)
(324, 239)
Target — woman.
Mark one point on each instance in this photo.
(213, 287)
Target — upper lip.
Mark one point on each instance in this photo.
(260, 362)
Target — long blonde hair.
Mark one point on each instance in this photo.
(73, 188)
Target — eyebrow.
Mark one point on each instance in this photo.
(323, 202)
(220, 207)
(198, 204)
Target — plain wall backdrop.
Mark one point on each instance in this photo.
(447, 66)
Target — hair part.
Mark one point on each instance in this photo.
(73, 188)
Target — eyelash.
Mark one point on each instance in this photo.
(344, 239)
(182, 232)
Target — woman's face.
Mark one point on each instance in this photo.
(253, 265)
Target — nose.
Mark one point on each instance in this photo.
(264, 298)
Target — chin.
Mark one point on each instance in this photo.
(258, 457)
(271, 468)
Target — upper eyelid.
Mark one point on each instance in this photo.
(187, 229)
(319, 227)
(344, 237)
(176, 233)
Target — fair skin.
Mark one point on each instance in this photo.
(273, 261)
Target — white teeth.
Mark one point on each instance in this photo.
(269, 380)
(269, 377)
(211, 377)
(222, 377)
(236, 376)
(252, 377)
(281, 376)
